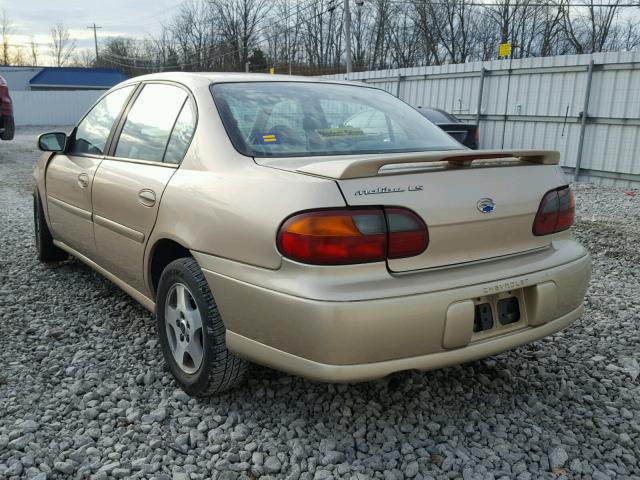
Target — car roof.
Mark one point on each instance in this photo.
(198, 78)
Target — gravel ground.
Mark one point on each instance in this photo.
(83, 392)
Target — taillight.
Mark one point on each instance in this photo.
(346, 236)
(407, 233)
(556, 212)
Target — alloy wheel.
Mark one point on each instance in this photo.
(183, 324)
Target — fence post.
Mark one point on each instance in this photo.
(398, 82)
(583, 122)
(480, 90)
(506, 103)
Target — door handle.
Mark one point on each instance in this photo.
(147, 197)
(83, 180)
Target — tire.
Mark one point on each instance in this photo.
(9, 129)
(192, 334)
(46, 251)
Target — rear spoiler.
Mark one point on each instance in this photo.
(369, 166)
(463, 127)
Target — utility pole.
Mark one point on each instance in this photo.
(95, 28)
(347, 35)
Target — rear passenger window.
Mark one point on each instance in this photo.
(149, 123)
(181, 135)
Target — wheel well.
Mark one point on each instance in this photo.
(165, 252)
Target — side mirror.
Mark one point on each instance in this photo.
(52, 142)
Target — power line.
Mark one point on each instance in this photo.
(522, 5)
(473, 3)
(258, 32)
(332, 6)
(122, 59)
(217, 57)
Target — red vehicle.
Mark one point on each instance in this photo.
(7, 125)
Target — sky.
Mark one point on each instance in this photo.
(133, 18)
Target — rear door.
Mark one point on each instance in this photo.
(152, 139)
(69, 176)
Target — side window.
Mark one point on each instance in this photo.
(146, 131)
(181, 135)
(93, 131)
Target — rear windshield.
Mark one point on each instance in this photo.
(294, 119)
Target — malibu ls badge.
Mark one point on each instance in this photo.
(379, 190)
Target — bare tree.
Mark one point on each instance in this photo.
(629, 36)
(19, 57)
(307, 36)
(85, 59)
(62, 46)
(6, 29)
(404, 41)
(450, 21)
(33, 52)
(191, 29)
(552, 42)
(589, 27)
(485, 38)
(283, 33)
(380, 38)
(123, 53)
(162, 50)
(427, 30)
(238, 23)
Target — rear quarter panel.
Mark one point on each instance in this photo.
(236, 214)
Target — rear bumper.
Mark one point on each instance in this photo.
(303, 367)
(351, 340)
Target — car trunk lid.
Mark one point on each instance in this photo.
(477, 205)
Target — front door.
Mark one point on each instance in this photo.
(129, 185)
(69, 176)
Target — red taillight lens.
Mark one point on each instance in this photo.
(556, 212)
(567, 209)
(407, 233)
(346, 236)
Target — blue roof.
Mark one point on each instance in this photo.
(78, 77)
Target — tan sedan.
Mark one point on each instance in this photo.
(322, 228)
